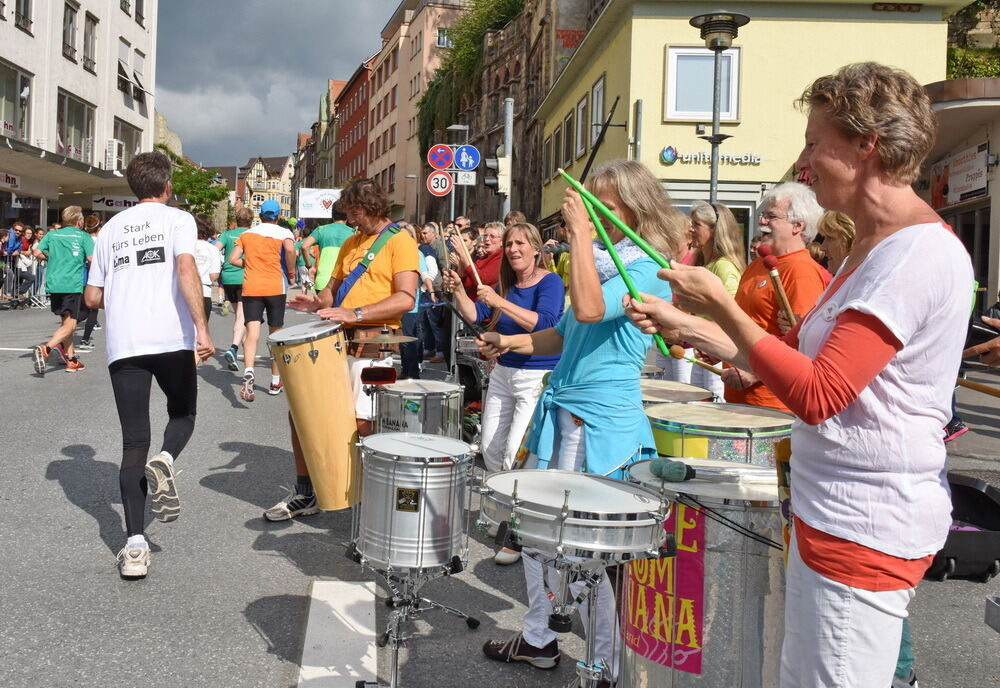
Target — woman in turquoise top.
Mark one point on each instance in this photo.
(590, 416)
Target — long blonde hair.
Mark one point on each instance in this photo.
(657, 221)
(727, 238)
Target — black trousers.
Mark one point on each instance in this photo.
(131, 380)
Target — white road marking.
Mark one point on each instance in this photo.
(339, 647)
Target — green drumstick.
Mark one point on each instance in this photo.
(625, 229)
(629, 284)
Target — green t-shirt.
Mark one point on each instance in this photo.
(332, 235)
(299, 260)
(230, 273)
(68, 249)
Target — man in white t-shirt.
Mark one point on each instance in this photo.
(144, 276)
(208, 259)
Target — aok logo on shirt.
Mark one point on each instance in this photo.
(150, 255)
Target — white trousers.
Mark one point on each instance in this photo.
(510, 401)
(837, 636)
(607, 639)
(363, 404)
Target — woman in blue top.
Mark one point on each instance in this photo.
(590, 416)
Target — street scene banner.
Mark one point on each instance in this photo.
(317, 203)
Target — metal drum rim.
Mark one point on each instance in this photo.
(716, 430)
(597, 516)
(335, 328)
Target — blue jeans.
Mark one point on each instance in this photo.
(409, 353)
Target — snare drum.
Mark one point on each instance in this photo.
(605, 519)
(413, 503)
(662, 391)
(728, 432)
(725, 589)
(312, 361)
(428, 406)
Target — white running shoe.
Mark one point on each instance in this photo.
(160, 483)
(295, 505)
(133, 562)
(247, 392)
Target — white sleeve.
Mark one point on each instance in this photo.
(214, 262)
(95, 277)
(432, 268)
(185, 234)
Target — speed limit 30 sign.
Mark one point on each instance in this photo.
(439, 183)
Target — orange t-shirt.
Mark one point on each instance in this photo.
(264, 267)
(804, 280)
(399, 254)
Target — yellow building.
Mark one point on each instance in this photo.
(648, 56)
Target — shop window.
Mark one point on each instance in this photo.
(690, 78)
(131, 138)
(15, 100)
(74, 127)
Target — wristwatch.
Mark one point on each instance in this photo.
(357, 314)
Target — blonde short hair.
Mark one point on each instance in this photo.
(834, 223)
(72, 216)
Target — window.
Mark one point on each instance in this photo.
(443, 41)
(395, 59)
(139, 14)
(569, 138)
(392, 98)
(126, 7)
(138, 65)
(69, 32)
(546, 159)
(131, 139)
(124, 82)
(74, 127)
(15, 92)
(556, 148)
(690, 78)
(22, 15)
(596, 108)
(581, 132)
(392, 178)
(90, 44)
(258, 198)
(392, 136)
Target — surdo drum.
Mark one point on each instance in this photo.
(423, 406)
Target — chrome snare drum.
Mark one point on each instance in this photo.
(427, 406)
(414, 502)
(576, 514)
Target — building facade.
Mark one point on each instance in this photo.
(648, 57)
(76, 101)
(351, 145)
(267, 179)
(324, 135)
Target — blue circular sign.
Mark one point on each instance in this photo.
(467, 157)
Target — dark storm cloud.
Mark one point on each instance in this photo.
(238, 78)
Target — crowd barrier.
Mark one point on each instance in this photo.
(21, 285)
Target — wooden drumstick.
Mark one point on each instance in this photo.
(771, 263)
(979, 387)
(677, 351)
(465, 252)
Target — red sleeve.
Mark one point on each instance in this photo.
(858, 348)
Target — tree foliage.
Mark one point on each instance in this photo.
(462, 67)
(199, 187)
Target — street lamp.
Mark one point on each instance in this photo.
(416, 187)
(718, 29)
(465, 141)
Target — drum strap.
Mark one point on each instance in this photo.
(389, 231)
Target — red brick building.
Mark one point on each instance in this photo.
(352, 128)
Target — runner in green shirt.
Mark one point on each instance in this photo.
(67, 251)
(329, 238)
(232, 282)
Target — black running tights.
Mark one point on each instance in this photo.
(131, 380)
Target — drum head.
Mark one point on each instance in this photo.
(720, 417)
(716, 481)
(306, 332)
(422, 387)
(415, 445)
(660, 391)
(591, 493)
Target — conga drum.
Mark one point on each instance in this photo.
(727, 432)
(667, 391)
(312, 360)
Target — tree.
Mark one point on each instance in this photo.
(199, 188)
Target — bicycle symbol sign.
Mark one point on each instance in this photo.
(440, 156)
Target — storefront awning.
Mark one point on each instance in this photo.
(70, 175)
(961, 105)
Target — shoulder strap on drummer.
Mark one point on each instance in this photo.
(383, 238)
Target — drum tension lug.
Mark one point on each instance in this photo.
(313, 354)
(286, 358)
(669, 547)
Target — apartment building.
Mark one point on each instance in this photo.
(351, 145)
(267, 179)
(76, 101)
(325, 131)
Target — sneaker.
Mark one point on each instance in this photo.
(97, 326)
(516, 649)
(247, 392)
(505, 557)
(85, 345)
(41, 354)
(295, 505)
(160, 483)
(230, 357)
(275, 389)
(74, 365)
(953, 430)
(907, 682)
(225, 307)
(134, 562)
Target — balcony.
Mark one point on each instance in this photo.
(69, 52)
(23, 22)
(90, 65)
(126, 6)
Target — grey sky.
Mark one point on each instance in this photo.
(239, 78)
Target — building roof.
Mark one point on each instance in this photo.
(303, 140)
(274, 166)
(227, 174)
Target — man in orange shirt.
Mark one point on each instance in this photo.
(379, 297)
(267, 255)
(788, 222)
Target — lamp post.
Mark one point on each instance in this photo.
(718, 29)
(465, 141)
(416, 188)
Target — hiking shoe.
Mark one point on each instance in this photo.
(160, 484)
(40, 354)
(74, 365)
(953, 430)
(515, 649)
(225, 307)
(295, 505)
(133, 562)
(247, 392)
(275, 389)
(85, 345)
(230, 357)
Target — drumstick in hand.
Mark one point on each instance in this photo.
(771, 263)
(979, 387)
(677, 351)
(468, 258)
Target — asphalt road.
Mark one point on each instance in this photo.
(226, 599)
